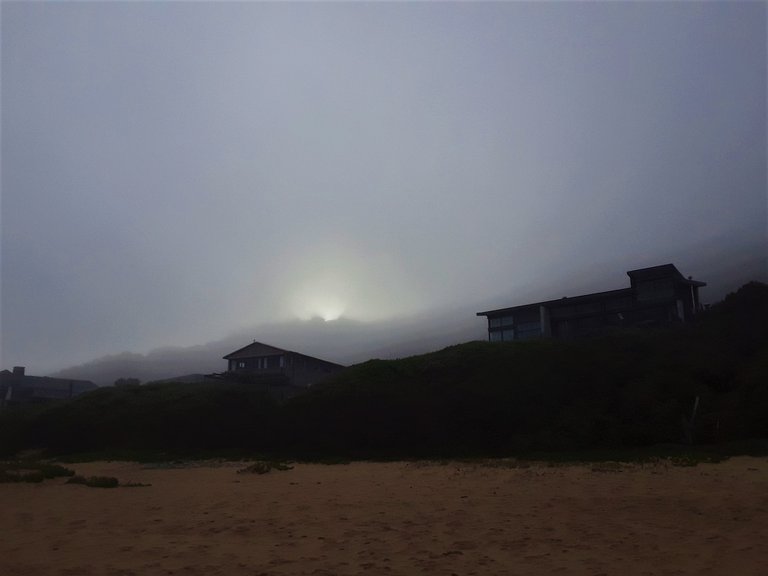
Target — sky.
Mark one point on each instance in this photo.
(174, 172)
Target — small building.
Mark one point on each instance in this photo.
(259, 362)
(656, 296)
(18, 388)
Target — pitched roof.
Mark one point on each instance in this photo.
(255, 350)
(259, 349)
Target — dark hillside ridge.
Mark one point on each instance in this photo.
(699, 383)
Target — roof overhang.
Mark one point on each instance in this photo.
(564, 301)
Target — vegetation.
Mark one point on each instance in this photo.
(127, 382)
(264, 467)
(27, 471)
(185, 419)
(703, 384)
(35, 471)
(103, 482)
(95, 481)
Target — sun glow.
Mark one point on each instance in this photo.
(327, 308)
(329, 315)
(332, 280)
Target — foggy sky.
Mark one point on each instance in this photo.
(176, 172)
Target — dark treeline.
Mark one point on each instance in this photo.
(625, 389)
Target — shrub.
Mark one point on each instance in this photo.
(95, 481)
(264, 467)
(25, 471)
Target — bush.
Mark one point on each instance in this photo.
(630, 388)
(264, 468)
(95, 481)
(31, 471)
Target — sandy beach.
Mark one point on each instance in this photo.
(393, 518)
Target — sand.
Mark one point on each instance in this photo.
(393, 518)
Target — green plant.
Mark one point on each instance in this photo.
(264, 467)
(31, 471)
(95, 481)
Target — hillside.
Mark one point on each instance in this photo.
(344, 341)
(627, 389)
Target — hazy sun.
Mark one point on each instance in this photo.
(329, 315)
(333, 279)
(326, 307)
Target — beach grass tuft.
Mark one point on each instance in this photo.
(264, 467)
(95, 481)
(31, 471)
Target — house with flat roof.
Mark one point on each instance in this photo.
(656, 295)
(18, 387)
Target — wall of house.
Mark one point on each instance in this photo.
(305, 371)
(273, 364)
(657, 295)
(575, 317)
(301, 371)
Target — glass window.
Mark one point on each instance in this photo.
(508, 335)
(494, 322)
(528, 330)
(494, 336)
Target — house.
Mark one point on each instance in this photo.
(259, 362)
(657, 295)
(18, 388)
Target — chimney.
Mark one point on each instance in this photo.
(18, 370)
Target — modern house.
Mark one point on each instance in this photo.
(274, 366)
(657, 295)
(18, 388)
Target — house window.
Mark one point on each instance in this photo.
(500, 321)
(241, 364)
(528, 330)
(501, 335)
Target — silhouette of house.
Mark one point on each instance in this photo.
(657, 295)
(275, 366)
(18, 388)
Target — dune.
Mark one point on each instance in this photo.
(393, 518)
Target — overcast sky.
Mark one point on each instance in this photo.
(174, 172)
